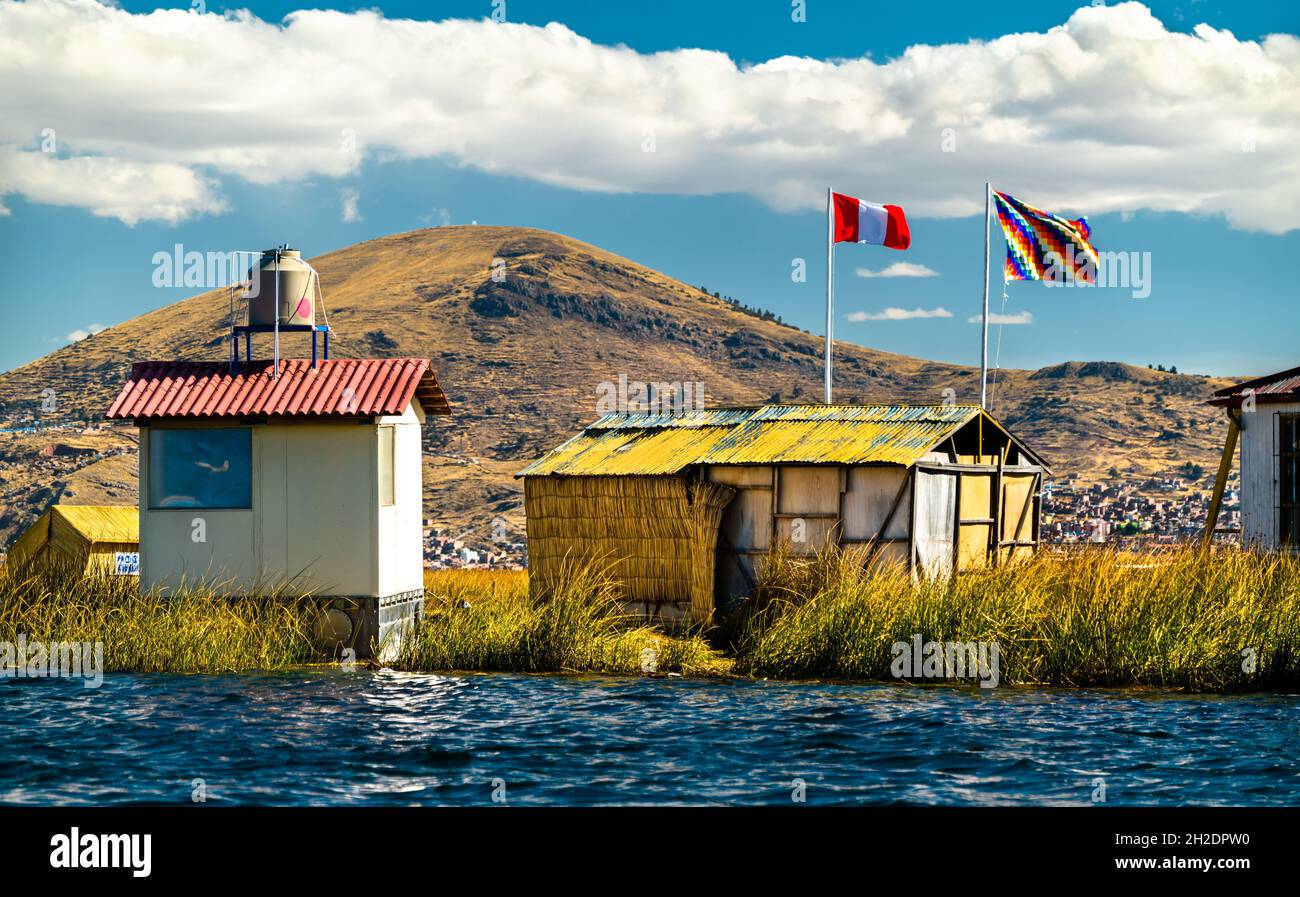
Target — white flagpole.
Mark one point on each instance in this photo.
(984, 328)
(830, 274)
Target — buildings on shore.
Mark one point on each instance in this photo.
(1160, 510)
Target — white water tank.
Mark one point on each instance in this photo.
(296, 294)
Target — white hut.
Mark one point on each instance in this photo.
(311, 481)
(1265, 413)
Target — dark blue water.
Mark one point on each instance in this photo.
(330, 737)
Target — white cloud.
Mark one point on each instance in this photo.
(107, 186)
(1107, 112)
(350, 199)
(899, 269)
(1020, 317)
(899, 314)
(77, 336)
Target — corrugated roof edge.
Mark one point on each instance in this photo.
(1284, 386)
(735, 415)
(338, 387)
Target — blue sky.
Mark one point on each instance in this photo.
(1212, 277)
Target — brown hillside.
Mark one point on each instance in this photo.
(522, 360)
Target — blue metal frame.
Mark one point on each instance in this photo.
(249, 329)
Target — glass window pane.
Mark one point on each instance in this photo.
(200, 468)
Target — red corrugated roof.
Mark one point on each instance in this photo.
(339, 387)
(1284, 386)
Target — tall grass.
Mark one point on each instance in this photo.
(1079, 618)
(190, 632)
(477, 620)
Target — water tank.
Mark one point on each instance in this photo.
(297, 293)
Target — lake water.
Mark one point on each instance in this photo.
(331, 737)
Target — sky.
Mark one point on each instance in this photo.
(697, 138)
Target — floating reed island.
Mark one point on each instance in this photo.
(1079, 618)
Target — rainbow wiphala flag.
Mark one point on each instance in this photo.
(1032, 234)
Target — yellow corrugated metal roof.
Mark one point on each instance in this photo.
(655, 443)
(77, 525)
(102, 523)
(628, 452)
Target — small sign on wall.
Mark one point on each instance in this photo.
(127, 563)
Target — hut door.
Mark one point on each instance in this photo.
(936, 514)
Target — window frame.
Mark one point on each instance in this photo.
(387, 497)
(155, 460)
(1288, 479)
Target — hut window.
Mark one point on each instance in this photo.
(386, 496)
(201, 468)
(1288, 459)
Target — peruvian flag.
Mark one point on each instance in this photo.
(859, 221)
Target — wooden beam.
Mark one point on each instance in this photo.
(1221, 480)
(956, 525)
(879, 538)
(1038, 511)
(911, 529)
(995, 501)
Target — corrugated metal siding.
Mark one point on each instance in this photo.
(74, 532)
(626, 444)
(829, 442)
(103, 523)
(338, 387)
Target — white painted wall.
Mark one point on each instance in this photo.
(400, 552)
(1259, 473)
(315, 524)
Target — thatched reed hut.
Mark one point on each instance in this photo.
(686, 505)
(88, 538)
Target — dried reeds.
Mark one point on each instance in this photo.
(657, 534)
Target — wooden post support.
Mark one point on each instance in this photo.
(1221, 480)
(995, 531)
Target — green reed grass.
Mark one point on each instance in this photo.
(190, 632)
(489, 622)
(1077, 618)
(1066, 618)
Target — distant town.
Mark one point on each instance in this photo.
(37, 464)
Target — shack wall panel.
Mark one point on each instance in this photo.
(740, 476)
(1017, 503)
(1259, 473)
(169, 555)
(809, 490)
(976, 503)
(747, 522)
(871, 493)
(806, 535)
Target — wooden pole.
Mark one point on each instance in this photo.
(1221, 480)
(830, 277)
(984, 326)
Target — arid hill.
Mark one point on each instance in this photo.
(522, 356)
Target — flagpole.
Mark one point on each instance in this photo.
(830, 274)
(984, 326)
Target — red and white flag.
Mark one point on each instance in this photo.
(859, 221)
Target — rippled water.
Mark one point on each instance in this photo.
(330, 737)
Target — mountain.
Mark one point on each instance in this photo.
(522, 356)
